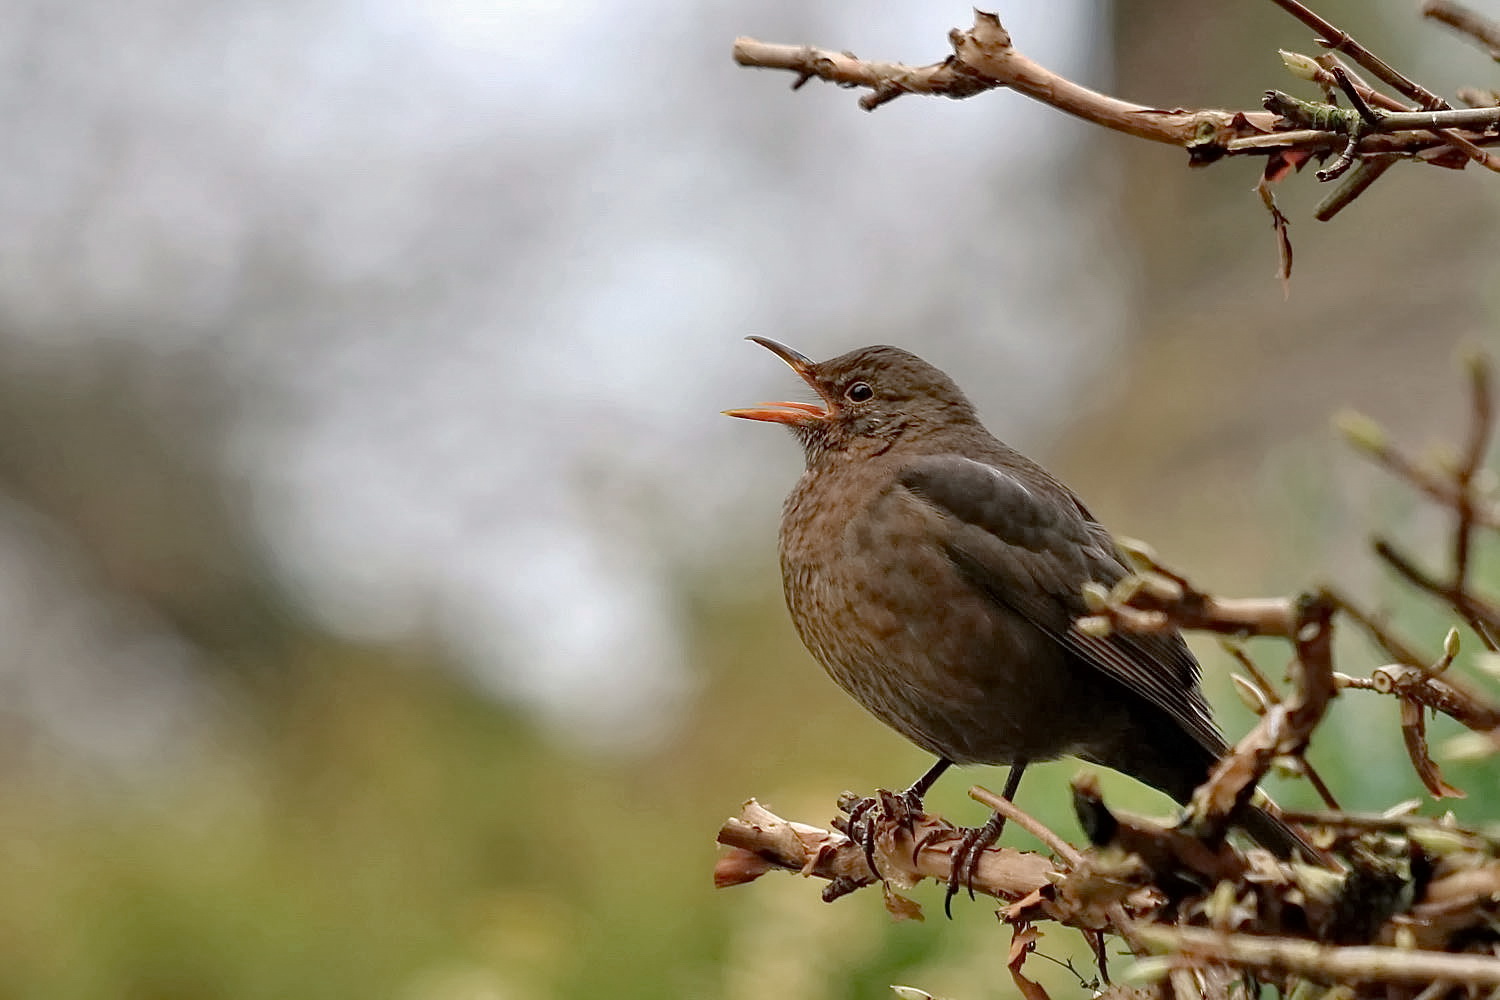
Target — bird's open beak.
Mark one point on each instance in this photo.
(786, 412)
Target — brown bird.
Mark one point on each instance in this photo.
(936, 574)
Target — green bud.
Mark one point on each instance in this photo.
(1361, 431)
(1300, 66)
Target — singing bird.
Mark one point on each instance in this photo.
(936, 574)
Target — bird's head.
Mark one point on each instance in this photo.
(868, 400)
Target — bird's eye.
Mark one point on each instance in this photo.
(859, 392)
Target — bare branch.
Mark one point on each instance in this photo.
(1480, 428)
(944, 79)
(1367, 173)
(924, 850)
(1323, 963)
(1157, 599)
(984, 58)
(1285, 728)
(1341, 41)
(1025, 821)
(1482, 616)
(1368, 437)
(1417, 685)
(1395, 646)
(1469, 22)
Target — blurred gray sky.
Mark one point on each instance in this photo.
(478, 277)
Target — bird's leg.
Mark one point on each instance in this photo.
(919, 788)
(899, 808)
(975, 839)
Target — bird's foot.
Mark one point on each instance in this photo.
(867, 815)
(971, 847)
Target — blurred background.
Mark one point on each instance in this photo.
(387, 610)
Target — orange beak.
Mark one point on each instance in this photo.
(788, 412)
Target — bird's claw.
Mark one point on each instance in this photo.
(971, 847)
(867, 815)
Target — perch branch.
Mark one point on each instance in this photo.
(762, 840)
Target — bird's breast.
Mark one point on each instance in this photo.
(881, 605)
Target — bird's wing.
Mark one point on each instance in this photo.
(1030, 545)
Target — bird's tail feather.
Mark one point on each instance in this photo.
(1276, 835)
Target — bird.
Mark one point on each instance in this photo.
(936, 574)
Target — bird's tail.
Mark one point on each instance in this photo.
(1275, 834)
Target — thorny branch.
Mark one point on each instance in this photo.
(1369, 139)
(1403, 905)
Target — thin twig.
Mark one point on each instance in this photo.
(1343, 161)
(1482, 616)
(1285, 728)
(1029, 823)
(1252, 668)
(1368, 172)
(985, 59)
(1356, 99)
(1369, 438)
(1341, 41)
(1358, 125)
(847, 70)
(1365, 119)
(1331, 62)
(1366, 821)
(1465, 21)
(1481, 426)
(1319, 785)
(1272, 697)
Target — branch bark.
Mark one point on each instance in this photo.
(1326, 964)
(985, 58)
(906, 855)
